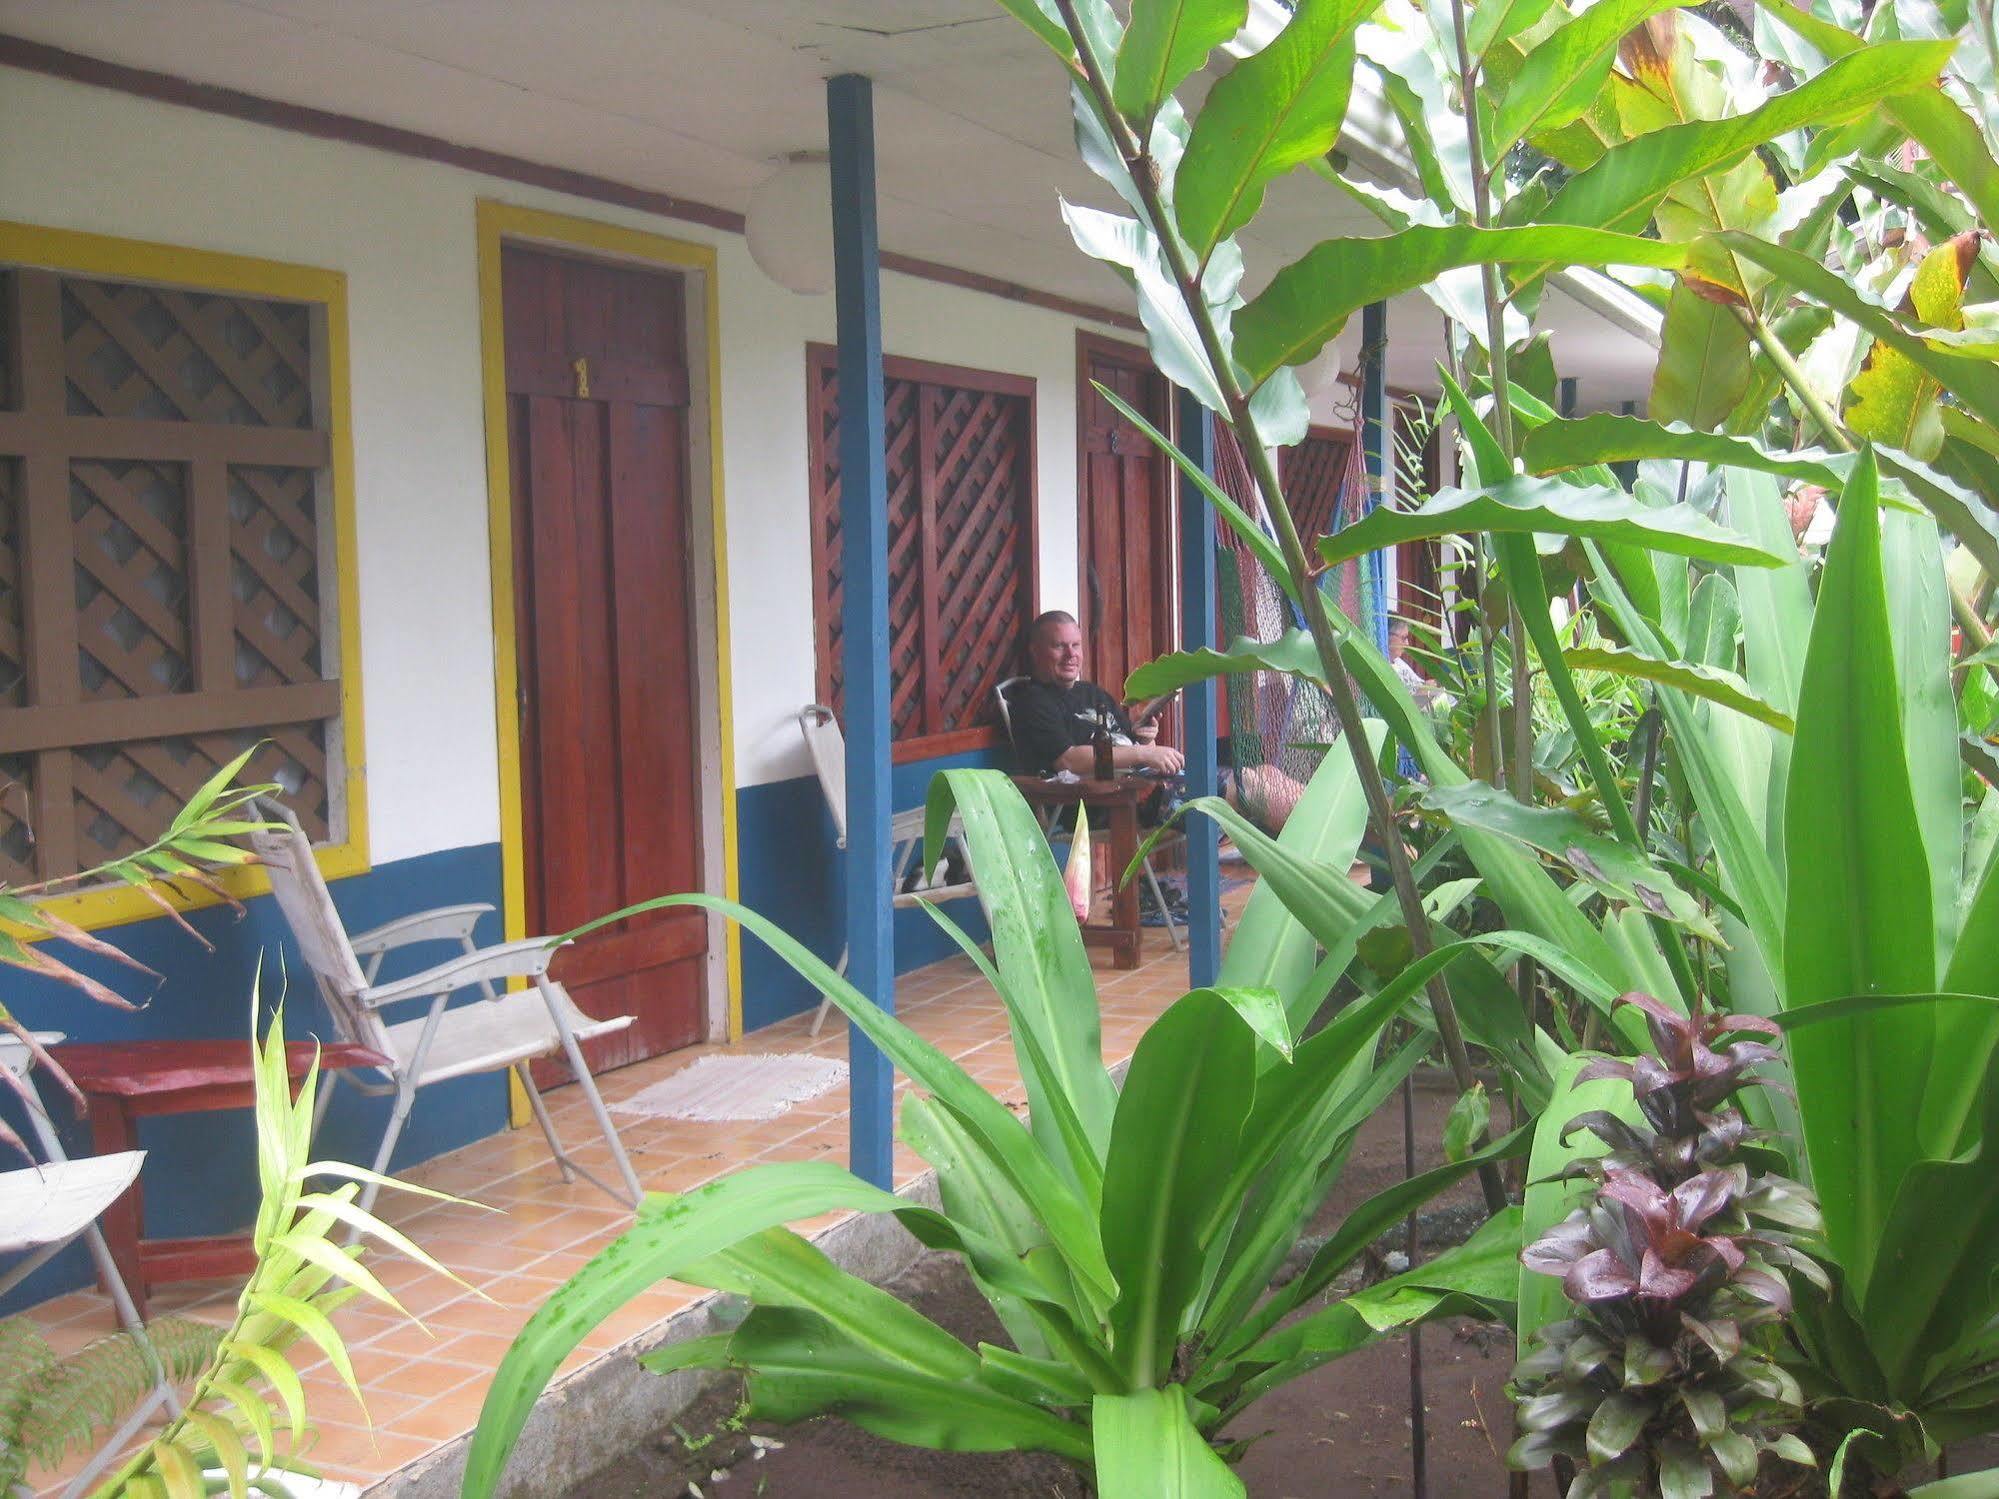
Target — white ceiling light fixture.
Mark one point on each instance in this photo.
(789, 224)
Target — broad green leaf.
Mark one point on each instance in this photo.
(1711, 683)
(1981, 1485)
(1892, 399)
(1270, 946)
(1920, 621)
(1972, 381)
(777, 1267)
(283, 1380)
(1147, 1447)
(1565, 71)
(1166, 41)
(800, 1366)
(1739, 840)
(1043, 19)
(1179, 1121)
(1858, 915)
(1621, 190)
(1292, 653)
(1012, 1149)
(1309, 301)
(1704, 360)
(1545, 506)
(1495, 21)
(1465, 1124)
(1617, 870)
(1476, 1278)
(670, 1234)
(1037, 949)
(1953, 142)
(1273, 111)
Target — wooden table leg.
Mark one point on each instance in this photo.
(1124, 897)
(112, 1130)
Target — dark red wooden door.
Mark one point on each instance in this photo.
(610, 777)
(1124, 515)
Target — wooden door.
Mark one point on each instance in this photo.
(1124, 515)
(597, 408)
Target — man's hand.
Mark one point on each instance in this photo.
(1161, 757)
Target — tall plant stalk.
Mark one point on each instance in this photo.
(1346, 707)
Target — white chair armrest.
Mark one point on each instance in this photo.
(526, 959)
(445, 924)
(909, 824)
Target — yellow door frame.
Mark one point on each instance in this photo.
(499, 224)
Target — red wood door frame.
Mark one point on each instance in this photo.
(597, 410)
(1126, 579)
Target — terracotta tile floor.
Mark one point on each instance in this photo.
(424, 1385)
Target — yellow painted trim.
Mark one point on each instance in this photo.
(498, 223)
(206, 270)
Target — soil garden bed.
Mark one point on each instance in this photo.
(1342, 1430)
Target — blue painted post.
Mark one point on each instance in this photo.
(1567, 403)
(850, 134)
(1197, 632)
(1377, 421)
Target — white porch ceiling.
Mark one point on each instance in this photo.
(702, 99)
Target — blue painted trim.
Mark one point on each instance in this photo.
(1567, 403)
(201, 1172)
(850, 135)
(1377, 443)
(1197, 632)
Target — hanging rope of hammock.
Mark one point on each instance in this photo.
(1270, 718)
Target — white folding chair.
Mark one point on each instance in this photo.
(490, 1034)
(828, 748)
(46, 1207)
(1151, 875)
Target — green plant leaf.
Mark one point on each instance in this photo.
(1291, 653)
(1622, 188)
(1179, 1120)
(1465, 1125)
(1859, 917)
(1616, 1424)
(800, 1365)
(1565, 71)
(670, 1233)
(1972, 381)
(1273, 111)
(1704, 366)
(1037, 949)
(1711, 683)
(1147, 1447)
(1617, 870)
(1166, 41)
(1045, 21)
(1309, 301)
(1892, 400)
(1501, 20)
(1550, 507)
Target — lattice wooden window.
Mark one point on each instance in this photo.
(166, 561)
(960, 450)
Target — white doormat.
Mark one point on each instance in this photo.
(719, 1088)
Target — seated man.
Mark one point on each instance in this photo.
(1055, 712)
(1054, 717)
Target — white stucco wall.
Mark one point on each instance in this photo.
(403, 233)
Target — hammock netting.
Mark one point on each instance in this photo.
(1269, 718)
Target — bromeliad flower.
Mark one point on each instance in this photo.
(1076, 876)
(1692, 1072)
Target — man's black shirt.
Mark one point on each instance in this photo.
(1049, 720)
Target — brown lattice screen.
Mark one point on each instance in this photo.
(166, 588)
(960, 450)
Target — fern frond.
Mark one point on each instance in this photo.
(24, 1357)
(96, 1386)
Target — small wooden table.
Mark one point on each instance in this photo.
(1118, 800)
(126, 1081)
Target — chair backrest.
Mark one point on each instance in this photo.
(308, 908)
(828, 748)
(1000, 690)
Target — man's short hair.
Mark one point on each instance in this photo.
(1048, 617)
